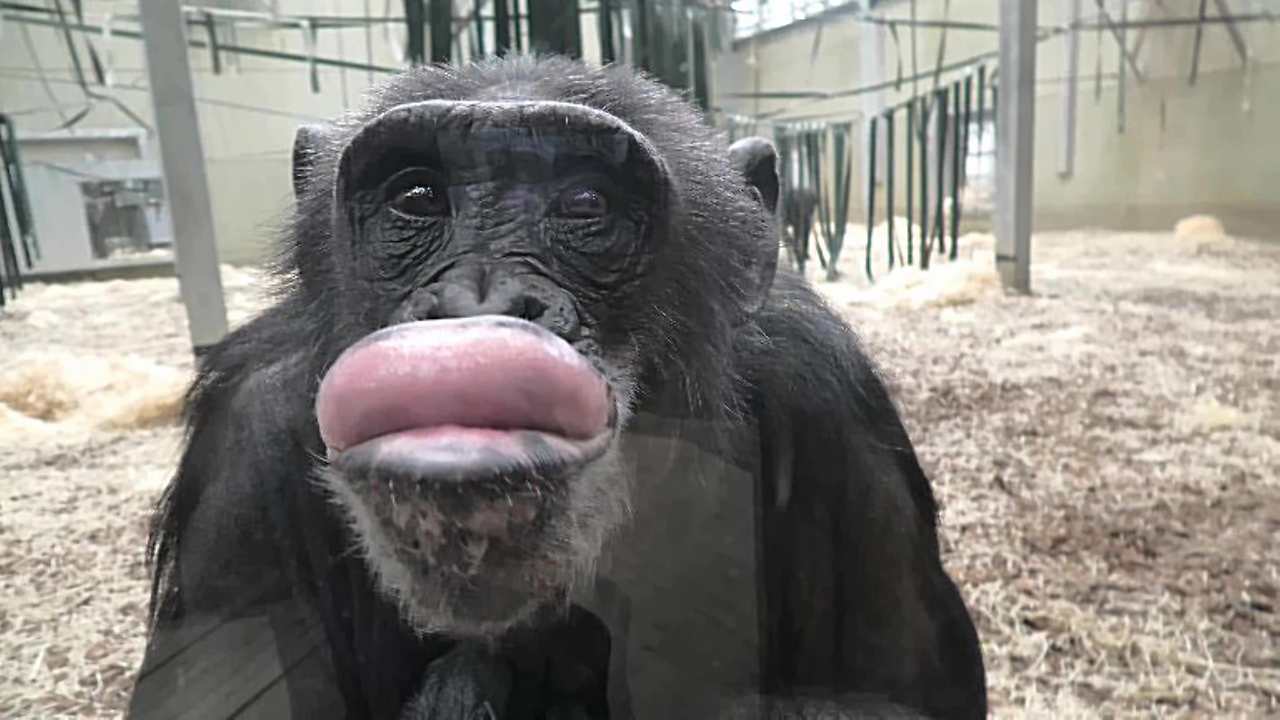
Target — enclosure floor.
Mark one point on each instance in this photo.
(1106, 453)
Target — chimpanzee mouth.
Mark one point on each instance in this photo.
(483, 407)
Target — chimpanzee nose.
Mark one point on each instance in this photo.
(486, 290)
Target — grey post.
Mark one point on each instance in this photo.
(1015, 143)
(182, 156)
(1067, 154)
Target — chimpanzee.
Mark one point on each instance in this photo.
(409, 488)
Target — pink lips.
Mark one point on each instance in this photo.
(488, 372)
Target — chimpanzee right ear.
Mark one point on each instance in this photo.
(756, 161)
(308, 142)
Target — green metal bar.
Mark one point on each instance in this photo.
(909, 189)
(501, 27)
(956, 130)
(415, 19)
(888, 178)
(605, 22)
(440, 20)
(939, 229)
(922, 136)
(197, 43)
(18, 190)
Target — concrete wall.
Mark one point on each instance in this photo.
(1207, 148)
(248, 113)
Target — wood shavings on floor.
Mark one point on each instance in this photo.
(1106, 453)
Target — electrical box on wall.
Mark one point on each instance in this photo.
(97, 200)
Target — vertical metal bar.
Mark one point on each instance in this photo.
(871, 193)
(642, 59)
(690, 78)
(888, 178)
(922, 136)
(909, 164)
(501, 27)
(964, 149)
(440, 22)
(1121, 39)
(479, 12)
(956, 130)
(415, 18)
(18, 191)
(1195, 48)
(605, 22)
(182, 157)
(518, 22)
(982, 102)
(1015, 143)
(939, 226)
(1067, 158)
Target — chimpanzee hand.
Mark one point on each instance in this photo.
(467, 683)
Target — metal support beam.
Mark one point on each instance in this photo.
(1237, 38)
(1125, 55)
(1015, 143)
(182, 158)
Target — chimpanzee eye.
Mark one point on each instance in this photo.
(582, 203)
(413, 193)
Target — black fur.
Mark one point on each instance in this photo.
(260, 599)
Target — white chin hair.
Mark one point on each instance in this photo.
(597, 506)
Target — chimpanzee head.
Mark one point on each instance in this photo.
(505, 261)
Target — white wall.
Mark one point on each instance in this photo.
(248, 113)
(1210, 148)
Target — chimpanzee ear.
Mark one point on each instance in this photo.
(307, 144)
(756, 161)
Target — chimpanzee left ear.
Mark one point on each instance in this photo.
(756, 161)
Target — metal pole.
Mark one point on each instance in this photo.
(941, 105)
(1067, 160)
(605, 23)
(923, 138)
(1015, 136)
(909, 164)
(871, 192)
(182, 157)
(982, 102)
(888, 178)
(956, 130)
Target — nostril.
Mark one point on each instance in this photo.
(531, 309)
(420, 306)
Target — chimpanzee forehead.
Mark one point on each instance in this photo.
(476, 141)
(495, 153)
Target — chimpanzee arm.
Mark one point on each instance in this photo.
(227, 623)
(854, 598)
